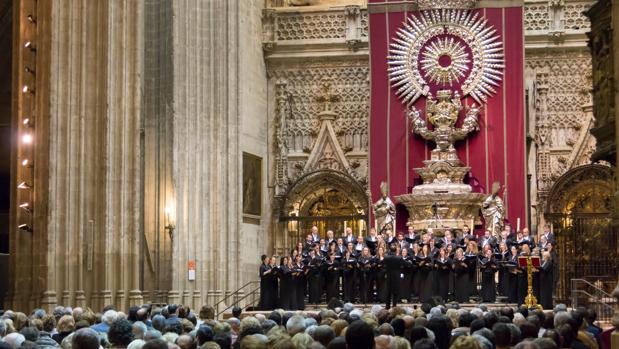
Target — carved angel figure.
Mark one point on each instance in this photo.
(384, 211)
(493, 210)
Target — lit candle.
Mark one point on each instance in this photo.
(518, 224)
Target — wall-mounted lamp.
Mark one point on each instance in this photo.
(29, 45)
(29, 70)
(169, 222)
(27, 138)
(28, 122)
(26, 163)
(25, 227)
(27, 89)
(26, 207)
(24, 185)
(31, 19)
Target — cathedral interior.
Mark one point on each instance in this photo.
(153, 150)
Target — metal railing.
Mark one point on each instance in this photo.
(589, 295)
(252, 297)
(234, 299)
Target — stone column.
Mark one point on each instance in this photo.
(206, 158)
(87, 156)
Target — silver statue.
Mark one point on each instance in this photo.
(493, 210)
(384, 211)
(443, 113)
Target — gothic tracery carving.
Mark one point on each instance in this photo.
(298, 124)
(562, 122)
(557, 16)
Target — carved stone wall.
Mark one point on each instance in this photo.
(296, 115)
(318, 139)
(561, 117)
(559, 86)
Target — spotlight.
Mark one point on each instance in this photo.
(31, 19)
(26, 207)
(27, 138)
(24, 185)
(26, 163)
(27, 89)
(28, 70)
(28, 122)
(29, 45)
(25, 227)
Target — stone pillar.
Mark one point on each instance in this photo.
(206, 155)
(87, 156)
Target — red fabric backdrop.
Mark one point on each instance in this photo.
(495, 153)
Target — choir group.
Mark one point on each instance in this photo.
(449, 268)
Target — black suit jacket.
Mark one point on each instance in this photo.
(393, 266)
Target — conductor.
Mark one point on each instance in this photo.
(393, 266)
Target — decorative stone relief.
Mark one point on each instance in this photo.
(563, 115)
(536, 17)
(304, 26)
(302, 142)
(556, 17)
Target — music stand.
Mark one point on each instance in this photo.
(530, 262)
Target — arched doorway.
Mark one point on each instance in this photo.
(329, 199)
(579, 209)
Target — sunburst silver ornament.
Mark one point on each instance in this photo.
(444, 47)
(445, 61)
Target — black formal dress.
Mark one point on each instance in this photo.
(471, 261)
(546, 284)
(393, 268)
(301, 286)
(461, 281)
(381, 280)
(522, 284)
(442, 274)
(512, 279)
(332, 279)
(536, 284)
(365, 274)
(314, 279)
(349, 272)
(287, 292)
(503, 287)
(274, 282)
(487, 268)
(415, 276)
(426, 279)
(406, 279)
(268, 294)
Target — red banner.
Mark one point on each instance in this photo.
(495, 153)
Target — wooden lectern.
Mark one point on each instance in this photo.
(530, 262)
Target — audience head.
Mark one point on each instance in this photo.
(120, 333)
(85, 338)
(502, 335)
(466, 342)
(138, 329)
(359, 335)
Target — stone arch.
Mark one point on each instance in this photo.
(579, 210)
(325, 195)
(308, 187)
(583, 189)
